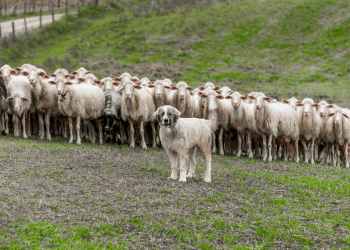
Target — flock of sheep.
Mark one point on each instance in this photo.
(121, 110)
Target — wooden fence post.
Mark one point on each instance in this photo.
(33, 5)
(25, 20)
(13, 31)
(66, 7)
(58, 4)
(53, 11)
(41, 14)
(96, 3)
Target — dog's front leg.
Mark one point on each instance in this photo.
(173, 163)
(183, 164)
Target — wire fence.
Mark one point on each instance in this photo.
(32, 14)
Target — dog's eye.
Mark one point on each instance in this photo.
(170, 114)
(162, 114)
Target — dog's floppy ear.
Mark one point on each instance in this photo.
(156, 116)
(177, 114)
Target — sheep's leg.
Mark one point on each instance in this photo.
(173, 161)
(325, 157)
(24, 126)
(192, 156)
(28, 127)
(93, 132)
(221, 142)
(142, 132)
(3, 122)
(7, 130)
(77, 126)
(346, 155)
(132, 143)
(70, 119)
(337, 155)
(47, 124)
(214, 143)
(239, 138)
(41, 126)
(270, 147)
(154, 135)
(264, 148)
(55, 126)
(305, 150)
(15, 127)
(183, 164)
(100, 132)
(249, 142)
(333, 156)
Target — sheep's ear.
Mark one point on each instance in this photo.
(69, 83)
(267, 98)
(217, 88)
(52, 82)
(88, 72)
(316, 105)
(189, 88)
(46, 77)
(13, 72)
(18, 69)
(42, 74)
(116, 83)
(330, 115)
(74, 73)
(137, 87)
(228, 97)
(9, 99)
(285, 101)
(24, 73)
(346, 116)
(117, 78)
(220, 97)
(52, 75)
(299, 104)
(299, 101)
(243, 97)
(218, 92)
(191, 93)
(0, 73)
(151, 86)
(330, 106)
(174, 87)
(98, 82)
(251, 97)
(201, 88)
(167, 87)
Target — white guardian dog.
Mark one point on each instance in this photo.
(181, 136)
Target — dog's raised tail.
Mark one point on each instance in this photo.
(213, 117)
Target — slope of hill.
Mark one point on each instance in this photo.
(284, 48)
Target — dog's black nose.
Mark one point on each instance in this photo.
(166, 120)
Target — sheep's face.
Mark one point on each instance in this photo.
(129, 89)
(90, 79)
(338, 117)
(225, 91)
(145, 81)
(322, 110)
(61, 84)
(308, 105)
(80, 74)
(181, 90)
(17, 102)
(33, 75)
(291, 102)
(159, 89)
(260, 99)
(125, 77)
(167, 116)
(236, 99)
(6, 72)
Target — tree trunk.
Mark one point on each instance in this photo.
(14, 9)
(96, 3)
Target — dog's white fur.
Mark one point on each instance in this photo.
(181, 136)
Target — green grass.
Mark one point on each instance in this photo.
(292, 48)
(248, 205)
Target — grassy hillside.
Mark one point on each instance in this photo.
(60, 196)
(284, 48)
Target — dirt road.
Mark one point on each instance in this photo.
(32, 23)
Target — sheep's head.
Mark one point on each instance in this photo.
(61, 84)
(322, 109)
(129, 88)
(338, 115)
(291, 102)
(236, 99)
(17, 101)
(6, 72)
(308, 105)
(181, 88)
(259, 99)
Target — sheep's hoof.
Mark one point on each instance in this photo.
(48, 139)
(270, 158)
(182, 180)
(41, 138)
(207, 179)
(25, 137)
(172, 177)
(70, 142)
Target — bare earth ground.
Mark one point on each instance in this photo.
(249, 203)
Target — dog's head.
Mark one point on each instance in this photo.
(167, 116)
